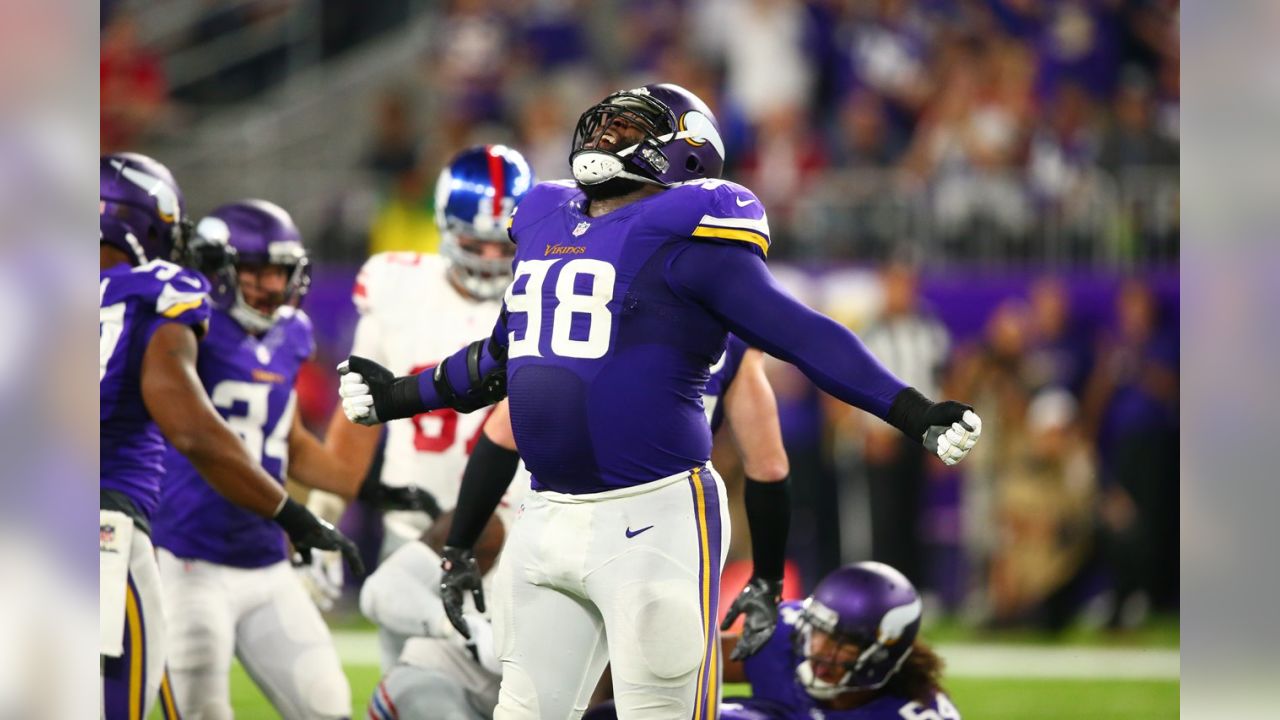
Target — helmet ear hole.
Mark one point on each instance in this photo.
(692, 165)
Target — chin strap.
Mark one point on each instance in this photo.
(602, 157)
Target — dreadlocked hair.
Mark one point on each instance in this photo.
(920, 675)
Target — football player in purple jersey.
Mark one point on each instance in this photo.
(152, 314)
(438, 675)
(849, 651)
(229, 588)
(626, 281)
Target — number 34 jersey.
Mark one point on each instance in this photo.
(412, 317)
(250, 380)
(607, 361)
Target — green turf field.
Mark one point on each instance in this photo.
(1079, 675)
(977, 698)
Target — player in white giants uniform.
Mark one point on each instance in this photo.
(415, 310)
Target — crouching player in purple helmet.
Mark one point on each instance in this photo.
(444, 676)
(849, 651)
(229, 587)
(152, 314)
(626, 283)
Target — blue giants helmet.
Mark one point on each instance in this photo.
(475, 195)
(140, 208)
(255, 234)
(681, 138)
(870, 614)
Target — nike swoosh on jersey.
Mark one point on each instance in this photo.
(637, 532)
(743, 204)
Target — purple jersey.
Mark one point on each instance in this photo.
(722, 374)
(777, 694)
(607, 362)
(250, 380)
(132, 303)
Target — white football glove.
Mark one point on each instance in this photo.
(952, 443)
(323, 577)
(357, 399)
(481, 643)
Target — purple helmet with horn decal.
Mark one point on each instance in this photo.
(261, 241)
(662, 134)
(856, 629)
(140, 208)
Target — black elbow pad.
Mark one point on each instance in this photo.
(485, 388)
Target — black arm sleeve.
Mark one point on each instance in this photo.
(769, 519)
(484, 481)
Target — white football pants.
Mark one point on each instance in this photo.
(630, 577)
(265, 617)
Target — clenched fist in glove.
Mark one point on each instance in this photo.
(948, 429)
(758, 602)
(372, 394)
(360, 380)
(953, 431)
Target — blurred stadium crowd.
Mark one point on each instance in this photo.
(1024, 152)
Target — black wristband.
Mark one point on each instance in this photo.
(489, 472)
(769, 520)
(907, 413)
(402, 400)
(294, 518)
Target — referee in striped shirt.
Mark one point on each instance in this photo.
(914, 346)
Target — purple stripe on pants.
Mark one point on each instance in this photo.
(115, 671)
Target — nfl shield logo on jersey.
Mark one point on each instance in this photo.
(106, 537)
(582, 227)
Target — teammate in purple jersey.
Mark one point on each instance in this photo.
(152, 313)
(848, 652)
(228, 584)
(626, 282)
(438, 676)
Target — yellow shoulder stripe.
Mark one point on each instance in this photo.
(747, 236)
(180, 308)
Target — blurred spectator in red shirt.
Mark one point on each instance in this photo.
(134, 93)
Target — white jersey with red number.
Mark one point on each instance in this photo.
(411, 317)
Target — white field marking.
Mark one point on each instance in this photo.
(360, 647)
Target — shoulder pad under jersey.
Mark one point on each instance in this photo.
(170, 291)
(301, 330)
(723, 211)
(379, 275)
(541, 201)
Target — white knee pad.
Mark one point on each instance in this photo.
(665, 623)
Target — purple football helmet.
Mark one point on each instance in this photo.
(256, 234)
(140, 208)
(681, 138)
(475, 195)
(867, 616)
